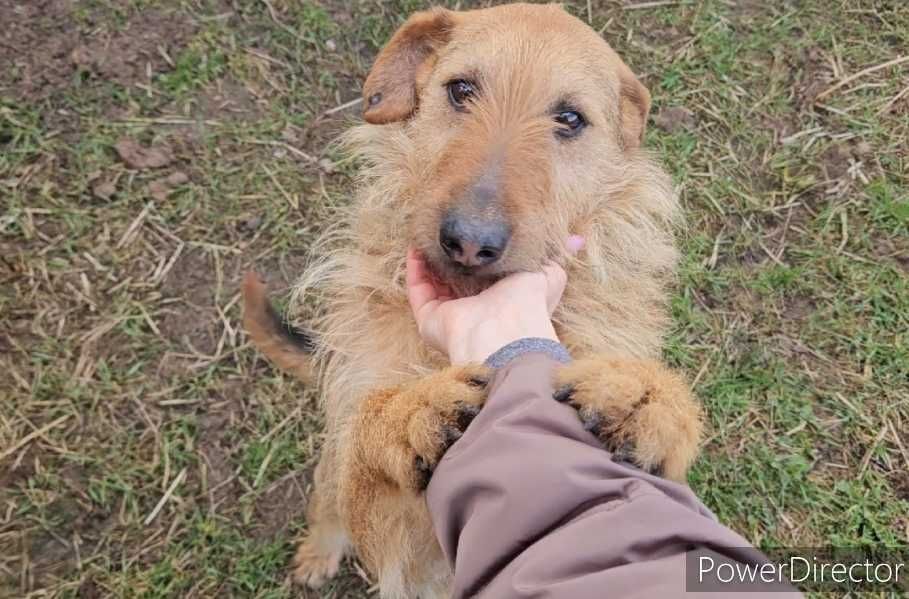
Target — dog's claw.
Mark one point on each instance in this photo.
(592, 422)
(625, 453)
(466, 415)
(424, 472)
(563, 394)
(450, 434)
(657, 470)
(622, 453)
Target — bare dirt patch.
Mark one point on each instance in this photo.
(798, 308)
(675, 118)
(282, 505)
(191, 281)
(813, 76)
(77, 521)
(48, 51)
(747, 10)
(835, 161)
(216, 453)
(781, 126)
(900, 480)
(127, 57)
(137, 157)
(226, 100)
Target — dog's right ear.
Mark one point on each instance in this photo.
(634, 106)
(402, 67)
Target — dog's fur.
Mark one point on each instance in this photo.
(420, 159)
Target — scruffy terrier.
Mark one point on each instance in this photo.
(491, 136)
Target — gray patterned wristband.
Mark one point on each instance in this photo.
(528, 345)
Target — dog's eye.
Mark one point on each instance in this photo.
(571, 121)
(460, 92)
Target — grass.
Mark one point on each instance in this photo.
(126, 375)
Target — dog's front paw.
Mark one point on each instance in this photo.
(640, 410)
(315, 563)
(405, 431)
(452, 399)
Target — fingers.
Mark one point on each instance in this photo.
(556, 279)
(425, 293)
(420, 288)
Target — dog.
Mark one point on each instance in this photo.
(491, 136)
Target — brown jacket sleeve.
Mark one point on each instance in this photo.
(528, 504)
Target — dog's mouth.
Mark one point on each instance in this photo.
(465, 281)
(476, 273)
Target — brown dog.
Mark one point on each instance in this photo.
(492, 136)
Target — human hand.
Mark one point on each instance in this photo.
(470, 329)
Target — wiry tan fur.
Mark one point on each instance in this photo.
(379, 491)
(639, 409)
(416, 164)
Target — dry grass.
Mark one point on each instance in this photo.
(146, 450)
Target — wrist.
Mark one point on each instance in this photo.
(487, 337)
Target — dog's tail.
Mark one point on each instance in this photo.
(286, 347)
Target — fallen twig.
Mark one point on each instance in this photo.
(860, 74)
(164, 498)
(655, 4)
(33, 435)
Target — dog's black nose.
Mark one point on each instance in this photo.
(473, 242)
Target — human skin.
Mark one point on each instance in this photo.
(470, 329)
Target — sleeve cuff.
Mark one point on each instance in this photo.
(528, 345)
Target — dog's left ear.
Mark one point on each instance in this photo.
(402, 67)
(634, 106)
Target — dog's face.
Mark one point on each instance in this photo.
(520, 118)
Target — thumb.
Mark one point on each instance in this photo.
(556, 279)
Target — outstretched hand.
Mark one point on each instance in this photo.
(470, 329)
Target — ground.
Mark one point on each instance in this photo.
(151, 151)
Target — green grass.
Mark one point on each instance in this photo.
(125, 368)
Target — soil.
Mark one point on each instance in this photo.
(813, 76)
(212, 440)
(674, 118)
(281, 505)
(835, 161)
(50, 47)
(900, 481)
(226, 100)
(191, 281)
(798, 308)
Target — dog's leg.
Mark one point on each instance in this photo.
(642, 411)
(319, 554)
(401, 433)
(398, 437)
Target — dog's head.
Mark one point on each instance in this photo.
(520, 117)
